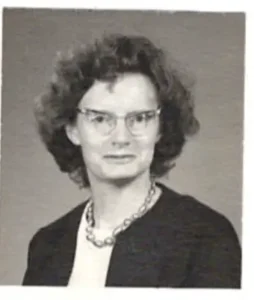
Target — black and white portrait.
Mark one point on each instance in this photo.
(121, 151)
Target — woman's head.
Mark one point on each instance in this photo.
(100, 116)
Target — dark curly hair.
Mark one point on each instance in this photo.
(104, 60)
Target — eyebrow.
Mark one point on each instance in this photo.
(110, 112)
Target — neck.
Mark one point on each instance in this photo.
(115, 201)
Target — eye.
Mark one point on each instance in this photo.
(140, 117)
(143, 117)
(98, 118)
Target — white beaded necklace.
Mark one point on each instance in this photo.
(110, 240)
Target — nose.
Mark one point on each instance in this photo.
(121, 134)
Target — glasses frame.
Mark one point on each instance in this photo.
(85, 110)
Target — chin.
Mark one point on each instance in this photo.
(121, 180)
(122, 174)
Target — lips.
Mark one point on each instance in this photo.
(119, 158)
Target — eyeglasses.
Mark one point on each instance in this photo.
(138, 123)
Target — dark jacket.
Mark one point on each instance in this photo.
(178, 243)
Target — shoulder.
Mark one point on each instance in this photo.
(188, 214)
(59, 227)
(199, 239)
(57, 239)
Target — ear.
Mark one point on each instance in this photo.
(73, 134)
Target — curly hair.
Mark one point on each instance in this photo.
(105, 60)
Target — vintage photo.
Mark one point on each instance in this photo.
(122, 145)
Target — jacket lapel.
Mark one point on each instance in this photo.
(134, 260)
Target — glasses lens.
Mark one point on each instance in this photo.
(140, 123)
(102, 122)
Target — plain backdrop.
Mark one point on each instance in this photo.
(34, 192)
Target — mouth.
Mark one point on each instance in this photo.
(119, 159)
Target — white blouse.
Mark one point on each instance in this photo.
(91, 264)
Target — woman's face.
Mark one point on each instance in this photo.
(117, 148)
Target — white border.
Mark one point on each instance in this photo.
(248, 192)
(193, 5)
(24, 293)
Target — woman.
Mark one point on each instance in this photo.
(115, 116)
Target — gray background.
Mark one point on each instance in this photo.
(34, 192)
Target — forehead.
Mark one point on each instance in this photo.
(129, 92)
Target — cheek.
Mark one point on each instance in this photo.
(145, 148)
(91, 148)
